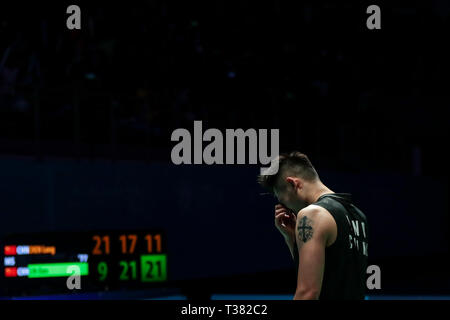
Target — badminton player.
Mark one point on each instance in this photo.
(326, 233)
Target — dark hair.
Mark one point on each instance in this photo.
(296, 162)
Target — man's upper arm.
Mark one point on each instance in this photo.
(313, 228)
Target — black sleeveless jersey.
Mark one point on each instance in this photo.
(346, 259)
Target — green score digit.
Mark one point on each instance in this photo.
(128, 268)
(102, 270)
(153, 268)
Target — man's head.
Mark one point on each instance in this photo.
(293, 182)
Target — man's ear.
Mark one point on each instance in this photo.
(294, 182)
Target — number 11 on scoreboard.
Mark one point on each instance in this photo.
(156, 238)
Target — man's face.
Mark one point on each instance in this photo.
(290, 196)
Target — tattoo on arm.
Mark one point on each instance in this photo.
(305, 229)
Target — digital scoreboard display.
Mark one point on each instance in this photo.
(54, 263)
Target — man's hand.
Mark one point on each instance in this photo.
(285, 221)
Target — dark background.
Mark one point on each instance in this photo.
(86, 118)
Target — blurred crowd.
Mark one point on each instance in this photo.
(134, 73)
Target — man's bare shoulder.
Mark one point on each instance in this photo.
(312, 211)
(321, 219)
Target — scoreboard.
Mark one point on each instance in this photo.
(45, 263)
